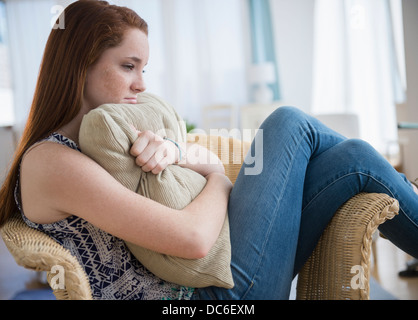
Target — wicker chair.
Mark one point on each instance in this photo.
(339, 267)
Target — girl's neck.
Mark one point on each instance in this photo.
(71, 129)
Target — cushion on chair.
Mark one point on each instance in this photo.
(106, 136)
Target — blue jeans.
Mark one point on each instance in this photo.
(277, 216)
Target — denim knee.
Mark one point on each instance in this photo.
(357, 145)
(358, 149)
(288, 113)
(362, 157)
(285, 116)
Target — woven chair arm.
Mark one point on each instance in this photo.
(339, 267)
(37, 251)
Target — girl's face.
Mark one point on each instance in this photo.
(117, 76)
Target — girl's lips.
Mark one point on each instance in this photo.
(131, 100)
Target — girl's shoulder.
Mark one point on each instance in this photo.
(48, 166)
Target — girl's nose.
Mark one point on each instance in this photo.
(139, 85)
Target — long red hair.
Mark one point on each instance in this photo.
(91, 27)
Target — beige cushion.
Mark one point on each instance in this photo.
(106, 136)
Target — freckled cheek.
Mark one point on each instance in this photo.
(114, 86)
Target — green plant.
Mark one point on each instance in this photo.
(189, 126)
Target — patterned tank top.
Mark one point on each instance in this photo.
(113, 272)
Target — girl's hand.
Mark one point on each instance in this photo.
(152, 153)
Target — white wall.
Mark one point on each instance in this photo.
(409, 111)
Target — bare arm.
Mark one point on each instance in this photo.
(200, 159)
(58, 181)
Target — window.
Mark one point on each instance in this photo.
(358, 65)
(6, 91)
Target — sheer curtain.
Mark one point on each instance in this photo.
(29, 24)
(199, 51)
(358, 65)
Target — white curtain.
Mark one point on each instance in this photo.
(28, 27)
(197, 53)
(358, 65)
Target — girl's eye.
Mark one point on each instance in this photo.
(129, 66)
